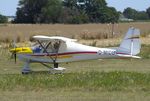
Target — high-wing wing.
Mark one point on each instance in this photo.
(47, 38)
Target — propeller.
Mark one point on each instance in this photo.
(15, 55)
(14, 51)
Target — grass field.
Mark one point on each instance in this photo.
(24, 31)
(96, 80)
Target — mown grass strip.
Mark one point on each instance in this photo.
(91, 80)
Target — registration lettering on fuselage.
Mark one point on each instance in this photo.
(106, 52)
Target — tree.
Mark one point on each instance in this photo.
(148, 11)
(98, 11)
(141, 15)
(130, 13)
(94, 8)
(109, 15)
(73, 12)
(29, 11)
(52, 11)
(65, 11)
(136, 15)
(3, 19)
(72, 4)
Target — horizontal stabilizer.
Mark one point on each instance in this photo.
(129, 56)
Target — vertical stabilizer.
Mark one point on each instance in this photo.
(131, 43)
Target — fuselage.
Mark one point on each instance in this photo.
(72, 52)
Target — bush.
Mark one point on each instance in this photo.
(3, 19)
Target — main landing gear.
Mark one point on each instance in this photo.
(52, 70)
(56, 69)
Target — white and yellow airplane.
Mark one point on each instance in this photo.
(55, 50)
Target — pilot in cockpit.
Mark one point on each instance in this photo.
(37, 49)
(51, 47)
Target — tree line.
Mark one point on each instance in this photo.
(65, 11)
(131, 13)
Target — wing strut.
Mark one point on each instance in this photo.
(46, 51)
(57, 47)
(56, 54)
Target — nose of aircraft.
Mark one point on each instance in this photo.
(12, 50)
(21, 50)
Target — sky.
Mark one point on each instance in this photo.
(8, 7)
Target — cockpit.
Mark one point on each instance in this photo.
(46, 47)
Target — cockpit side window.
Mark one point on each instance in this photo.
(53, 47)
(47, 47)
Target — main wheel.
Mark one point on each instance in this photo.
(55, 65)
(25, 73)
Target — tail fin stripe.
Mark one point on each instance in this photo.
(134, 38)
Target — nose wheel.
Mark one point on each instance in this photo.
(26, 69)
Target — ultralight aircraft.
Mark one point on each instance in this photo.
(56, 50)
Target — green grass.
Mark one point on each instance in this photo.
(81, 95)
(111, 81)
(83, 86)
(145, 52)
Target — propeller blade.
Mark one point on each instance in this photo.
(15, 56)
(14, 51)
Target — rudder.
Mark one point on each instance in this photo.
(131, 43)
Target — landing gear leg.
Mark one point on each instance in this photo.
(55, 65)
(53, 70)
(56, 69)
(26, 69)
